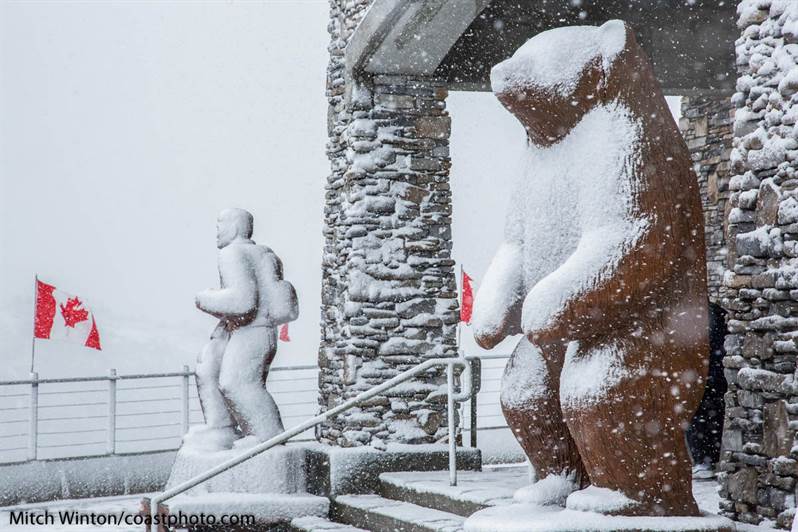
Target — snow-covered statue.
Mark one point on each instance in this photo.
(232, 368)
(602, 270)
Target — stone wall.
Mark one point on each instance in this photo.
(389, 297)
(706, 124)
(760, 292)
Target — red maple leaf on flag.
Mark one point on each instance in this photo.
(72, 313)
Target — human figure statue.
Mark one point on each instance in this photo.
(232, 369)
(602, 270)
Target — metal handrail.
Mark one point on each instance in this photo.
(452, 397)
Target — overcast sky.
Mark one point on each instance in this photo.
(126, 126)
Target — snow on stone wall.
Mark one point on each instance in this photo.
(389, 298)
(759, 467)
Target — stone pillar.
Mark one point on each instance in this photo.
(760, 292)
(706, 124)
(389, 296)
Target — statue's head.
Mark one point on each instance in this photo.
(559, 75)
(231, 225)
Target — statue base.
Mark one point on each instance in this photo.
(281, 469)
(534, 518)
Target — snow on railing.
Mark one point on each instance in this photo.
(121, 414)
(155, 504)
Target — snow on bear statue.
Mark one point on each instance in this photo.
(232, 369)
(602, 269)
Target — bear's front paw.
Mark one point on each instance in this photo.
(542, 331)
(488, 340)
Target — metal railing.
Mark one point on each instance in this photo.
(120, 414)
(132, 414)
(466, 391)
(486, 406)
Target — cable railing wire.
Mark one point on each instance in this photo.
(132, 414)
(82, 431)
(62, 392)
(156, 426)
(154, 400)
(129, 388)
(82, 444)
(68, 405)
(70, 418)
(150, 439)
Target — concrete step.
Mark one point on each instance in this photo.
(475, 490)
(379, 513)
(321, 524)
(271, 511)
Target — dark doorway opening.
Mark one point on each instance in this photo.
(705, 433)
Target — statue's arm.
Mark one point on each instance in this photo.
(594, 286)
(239, 293)
(497, 306)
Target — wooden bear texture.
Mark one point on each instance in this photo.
(602, 269)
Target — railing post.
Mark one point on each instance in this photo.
(476, 384)
(33, 430)
(112, 412)
(184, 399)
(452, 441)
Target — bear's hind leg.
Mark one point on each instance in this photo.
(531, 406)
(627, 425)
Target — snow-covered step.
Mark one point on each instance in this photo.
(321, 524)
(475, 490)
(278, 470)
(378, 513)
(268, 508)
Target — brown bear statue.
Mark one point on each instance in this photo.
(602, 269)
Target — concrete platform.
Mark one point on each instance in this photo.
(278, 470)
(92, 476)
(491, 491)
(532, 518)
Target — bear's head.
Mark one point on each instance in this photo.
(559, 75)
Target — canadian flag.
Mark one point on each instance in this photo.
(466, 298)
(63, 316)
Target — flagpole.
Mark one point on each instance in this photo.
(459, 321)
(35, 303)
